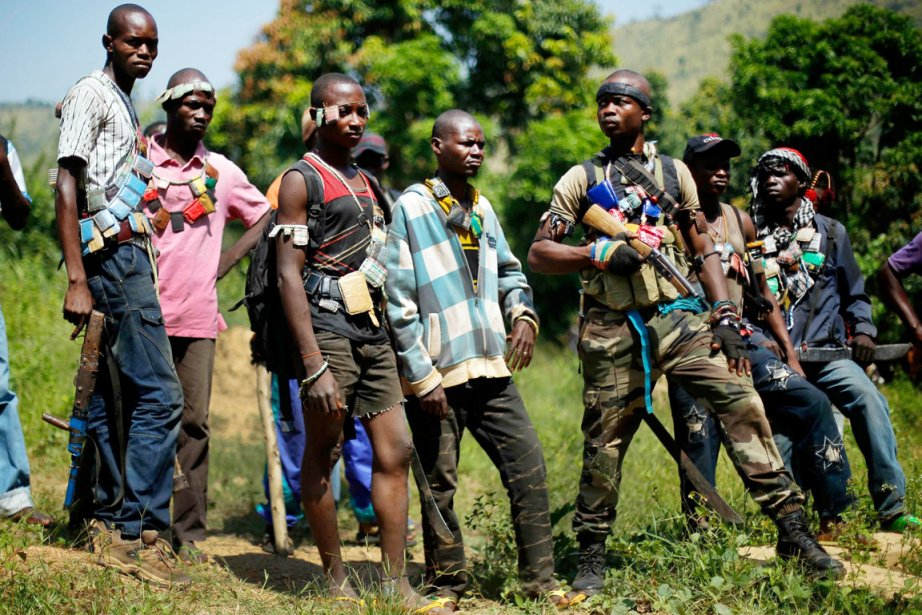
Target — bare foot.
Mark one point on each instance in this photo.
(414, 602)
(341, 589)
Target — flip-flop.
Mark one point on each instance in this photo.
(439, 602)
(563, 599)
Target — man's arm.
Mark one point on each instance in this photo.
(406, 320)
(78, 302)
(242, 246)
(855, 303)
(515, 295)
(714, 282)
(894, 296)
(323, 395)
(774, 319)
(14, 204)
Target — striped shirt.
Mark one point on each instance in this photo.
(98, 127)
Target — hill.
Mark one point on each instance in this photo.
(32, 128)
(687, 48)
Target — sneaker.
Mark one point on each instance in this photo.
(795, 541)
(902, 523)
(833, 534)
(143, 558)
(590, 572)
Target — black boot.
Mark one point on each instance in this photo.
(795, 540)
(590, 572)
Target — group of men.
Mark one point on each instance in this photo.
(140, 221)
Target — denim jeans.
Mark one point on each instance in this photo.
(14, 464)
(136, 449)
(803, 429)
(853, 393)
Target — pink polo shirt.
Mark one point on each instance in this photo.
(188, 261)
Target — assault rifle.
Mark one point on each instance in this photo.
(882, 353)
(601, 220)
(85, 383)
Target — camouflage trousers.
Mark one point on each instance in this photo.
(492, 410)
(613, 398)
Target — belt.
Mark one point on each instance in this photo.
(322, 286)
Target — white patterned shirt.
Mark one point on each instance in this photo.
(99, 127)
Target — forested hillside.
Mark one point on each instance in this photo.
(687, 48)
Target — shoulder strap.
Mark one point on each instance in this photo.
(637, 173)
(594, 175)
(671, 177)
(381, 197)
(314, 184)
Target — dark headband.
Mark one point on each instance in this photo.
(617, 88)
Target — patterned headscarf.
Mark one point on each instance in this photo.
(796, 162)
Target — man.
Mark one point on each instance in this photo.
(453, 281)
(626, 307)
(801, 418)
(331, 299)
(134, 419)
(812, 271)
(371, 155)
(901, 263)
(16, 502)
(195, 193)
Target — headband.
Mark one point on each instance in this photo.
(790, 156)
(617, 88)
(329, 114)
(180, 90)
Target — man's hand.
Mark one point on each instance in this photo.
(435, 403)
(78, 303)
(323, 395)
(521, 345)
(616, 255)
(863, 348)
(729, 340)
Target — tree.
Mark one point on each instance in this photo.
(847, 93)
(512, 62)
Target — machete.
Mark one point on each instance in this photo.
(429, 505)
(883, 352)
(690, 470)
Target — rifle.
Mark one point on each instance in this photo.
(85, 383)
(601, 220)
(883, 353)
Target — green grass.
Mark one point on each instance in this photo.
(654, 567)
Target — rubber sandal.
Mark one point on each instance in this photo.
(563, 599)
(440, 602)
(349, 600)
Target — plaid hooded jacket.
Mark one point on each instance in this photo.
(444, 332)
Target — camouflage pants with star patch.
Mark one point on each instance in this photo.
(613, 398)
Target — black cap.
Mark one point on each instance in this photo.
(712, 144)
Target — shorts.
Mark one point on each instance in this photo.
(366, 373)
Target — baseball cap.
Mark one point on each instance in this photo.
(712, 144)
(371, 142)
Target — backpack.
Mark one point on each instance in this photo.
(272, 342)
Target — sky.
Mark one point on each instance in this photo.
(47, 45)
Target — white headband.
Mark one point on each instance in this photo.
(178, 91)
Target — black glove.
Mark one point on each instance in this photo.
(863, 348)
(728, 339)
